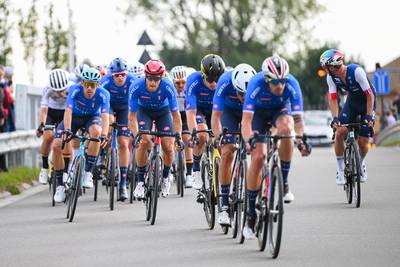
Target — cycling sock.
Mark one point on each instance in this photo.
(340, 162)
(189, 166)
(45, 162)
(59, 177)
(285, 166)
(196, 163)
(90, 161)
(66, 164)
(252, 195)
(124, 173)
(165, 172)
(140, 174)
(225, 194)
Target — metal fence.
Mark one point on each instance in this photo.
(27, 104)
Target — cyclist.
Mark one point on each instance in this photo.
(153, 99)
(200, 88)
(360, 101)
(227, 113)
(267, 101)
(88, 105)
(78, 72)
(52, 109)
(137, 69)
(102, 69)
(117, 83)
(179, 75)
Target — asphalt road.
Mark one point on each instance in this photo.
(320, 229)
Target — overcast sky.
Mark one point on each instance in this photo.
(368, 29)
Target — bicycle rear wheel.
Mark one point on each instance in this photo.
(216, 191)
(275, 211)
(208, 205)
(132, 178)
(181, 174)
(262, 222)
(53, 182)
(238, 196)
(242, 204)
(356, 173)
(111, 177)
(156, 180)
(96, 177)
(75, 188)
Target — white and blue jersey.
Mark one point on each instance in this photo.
(225, 94)
(259, 96)
(85, 107)
(118, 94)
(164, 96)
(198, 96)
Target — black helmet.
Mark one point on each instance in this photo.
(212, 66)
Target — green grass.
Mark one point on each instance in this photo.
(393, 143)
(10, 181)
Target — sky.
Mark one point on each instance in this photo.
(366, 29)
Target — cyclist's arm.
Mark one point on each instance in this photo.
(333, 103)
(67, 118)
(105, 123)
(247, 119)
(296, 105)
(44, 102)
(216, 122)
(298, 124)
(191, 107)
(361, 78)
(248, 110)
(218, 108)
(43, 114)
(133, 126)
(191, 119)
(176, 116)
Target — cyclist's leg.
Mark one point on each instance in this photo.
(364, 134)
(93, 124)
(345, 116)
(188, 150)
(123, 144)
(199, 148)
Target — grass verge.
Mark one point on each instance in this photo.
(393, 143)
(10, 181)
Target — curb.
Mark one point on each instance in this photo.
(6, 198)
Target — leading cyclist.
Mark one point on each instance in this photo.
(360, 101)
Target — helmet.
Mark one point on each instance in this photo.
(178, 73)
(275, 67)
(212, 66)
(154, 67)
(58, 80)
(102, 69)
(137, 69)
(241, 76)
(189, 70)
(118, 65)
(331, 57)
(79, 69)
(91, 74)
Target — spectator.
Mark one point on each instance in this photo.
(390, 119)
(8, 103)
(396, 103)
(2, 118)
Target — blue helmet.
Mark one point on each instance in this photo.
(118, 65)
(91, 74)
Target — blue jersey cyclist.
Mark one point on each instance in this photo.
(200, 88)
(227, 113)
(272, 96)
(360, 102)
(87, 106)
(153, 100)
(117, 83)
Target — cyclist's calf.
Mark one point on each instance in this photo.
(167, 144)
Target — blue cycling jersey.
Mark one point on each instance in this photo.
(258, 95)
(118, 94)
(82, 106)
(197, 94)
(164, 96)
(226, 94)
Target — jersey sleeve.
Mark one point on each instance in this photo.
(296, 98)
(71, 97)
(172, 100)
(133, 98)
(332, 87)
(361, 78)
(44, 102)
(219, 96)
(191, 93)
(251, 94)
(105, 107)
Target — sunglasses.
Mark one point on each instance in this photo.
(209, 79)
(118, 74)
(89, 84)
(278, 81)
(153, 78)
(180, 83)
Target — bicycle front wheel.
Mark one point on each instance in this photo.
(111, 177)
(275, 211)
(348, 187)
(356, 173)
(242, 201)
(156, 179)
(206, 191)
(53, 183)
(75, 187)
(132, 178)
(262, 213)
(181, 173)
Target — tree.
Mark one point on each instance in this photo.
(239, 31)
(29, 36)
(5, 29)
(56, 42)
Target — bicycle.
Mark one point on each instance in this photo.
(179, 167)
(132, 175)
(352, 161)
(153, 175)
(269, 205)
(75, 175)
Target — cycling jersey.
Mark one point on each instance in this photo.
(118, 94)
(82, 106)
(226, 94)
(259, 96)
(53, 99)
(164, 96)
(197, 94)
(181, 100)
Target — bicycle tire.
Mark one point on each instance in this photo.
(53, 188)
(181, 174)
(76, 186)
(132, 178)
(111, 177)
(156, 189)
(348, 173)
(243, 171)
(96, 177)
(234, 203)
(262, 222)
(149, 182)
(357, 175)
(208, 206)
(216, 191)
(275, 211)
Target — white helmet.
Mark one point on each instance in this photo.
(275, 67)
(241, 76)
(137, 69)
(190, 70)
(178, 73)
(58, 80)
(79, 69)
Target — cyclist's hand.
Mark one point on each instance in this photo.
(304, 147)
(335, 122)
(103, 141)
(178, 142)
(249, 145)
(369, 120)
(66, 136)
(39, 130)
(136, 140)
